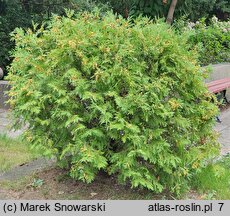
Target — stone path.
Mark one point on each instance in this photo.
(224, 129)
(5, 124)
(26, 169)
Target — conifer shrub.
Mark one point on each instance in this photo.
(105, 93)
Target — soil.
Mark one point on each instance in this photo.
(58, 185)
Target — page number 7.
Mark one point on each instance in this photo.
(221, 205)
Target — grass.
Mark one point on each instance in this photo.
(214, 180)
(14, 152)
(17, 185)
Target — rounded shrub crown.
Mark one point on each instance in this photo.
(107, 93)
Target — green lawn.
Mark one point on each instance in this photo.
(214, 180)
(14, 152)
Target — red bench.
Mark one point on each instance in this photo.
(219, 86)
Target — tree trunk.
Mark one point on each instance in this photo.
(171, 12)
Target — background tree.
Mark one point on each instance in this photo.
(171, 11)
(20, 13)
(12, 15)
(196, 9)
(193, 9)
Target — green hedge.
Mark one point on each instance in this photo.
(211, 38)
(103, 93)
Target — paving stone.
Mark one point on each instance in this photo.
(27, 169)
(224, 129)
